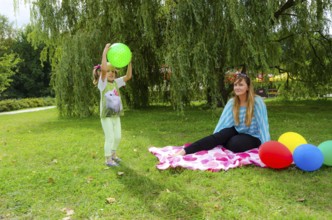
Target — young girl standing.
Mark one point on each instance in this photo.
(105, 77)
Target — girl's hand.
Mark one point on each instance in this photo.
(107, 47)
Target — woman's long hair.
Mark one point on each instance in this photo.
(250, 101)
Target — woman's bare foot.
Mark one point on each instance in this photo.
(179, 153)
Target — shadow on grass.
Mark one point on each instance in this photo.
(163, 202)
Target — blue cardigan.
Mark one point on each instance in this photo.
(259, 126)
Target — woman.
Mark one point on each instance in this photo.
(243, 124)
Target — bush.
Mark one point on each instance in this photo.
(16, 104)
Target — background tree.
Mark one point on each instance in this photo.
(8, 59)
(33, 76)
(75, 33)
(198, 40)
(206, 38)
(306, 43)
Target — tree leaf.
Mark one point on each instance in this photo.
(110, 200)
(68, 211)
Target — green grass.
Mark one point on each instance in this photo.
(48, 164)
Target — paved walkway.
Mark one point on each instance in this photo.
(27, 110)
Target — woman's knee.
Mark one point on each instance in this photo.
(234, 145)
(239, 143)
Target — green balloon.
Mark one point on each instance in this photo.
(119, 55)
(326, 148)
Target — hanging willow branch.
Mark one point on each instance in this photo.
(75, 32)
(197, 40)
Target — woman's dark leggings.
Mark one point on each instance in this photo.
(228, 138)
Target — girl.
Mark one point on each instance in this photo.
(243, 124)
(105, 77)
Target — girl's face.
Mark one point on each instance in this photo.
(111, 74)
(241, 87)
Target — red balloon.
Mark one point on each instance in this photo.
(275, 155)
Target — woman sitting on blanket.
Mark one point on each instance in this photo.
(243, 124)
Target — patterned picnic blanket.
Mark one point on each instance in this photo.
(213, 160)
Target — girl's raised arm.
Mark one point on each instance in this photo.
(104, 62)
(129, 72)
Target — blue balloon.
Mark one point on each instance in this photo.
(308, 157)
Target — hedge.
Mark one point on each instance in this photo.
(17, 104)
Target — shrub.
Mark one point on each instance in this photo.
(16, 104)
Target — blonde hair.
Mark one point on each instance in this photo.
(113, 69)
(96, 75)
(250, 101)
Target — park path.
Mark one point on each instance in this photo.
(27, 110)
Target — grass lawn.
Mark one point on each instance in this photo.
(53, 168)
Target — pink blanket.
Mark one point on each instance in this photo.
(213, 160)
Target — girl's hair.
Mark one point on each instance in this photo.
(96, 74)
(250, 100)
(113, 69)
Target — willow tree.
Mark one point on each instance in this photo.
(206, 38)
(199, 40)
(75, 33)
(305, 39)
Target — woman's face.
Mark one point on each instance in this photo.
(240, 87)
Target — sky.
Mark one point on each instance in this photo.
(22, 16)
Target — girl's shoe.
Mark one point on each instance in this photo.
(112, 163)
(117, 159)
